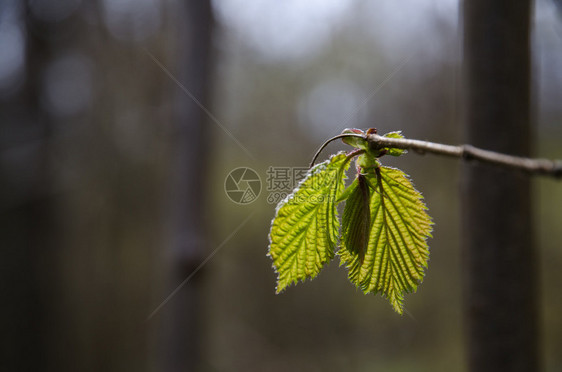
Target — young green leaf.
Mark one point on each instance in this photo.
(304, 231)
(357, 142)
(394, 151)
(356, 218)
(347, 192)
(397, 251)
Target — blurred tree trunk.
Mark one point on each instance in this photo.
(182, 315)
(81, 200)
(499, 256)
(30, 242)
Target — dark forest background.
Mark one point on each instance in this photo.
(119, 123)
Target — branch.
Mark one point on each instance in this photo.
(545, 167)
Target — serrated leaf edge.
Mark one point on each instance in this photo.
(314, 170)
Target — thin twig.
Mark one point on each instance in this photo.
(545, 167)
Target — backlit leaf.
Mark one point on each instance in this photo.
(304, 231)
(356, 218)
(394, 151)
(397, 252)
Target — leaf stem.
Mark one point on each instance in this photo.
(343, 135)
(544, 167)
